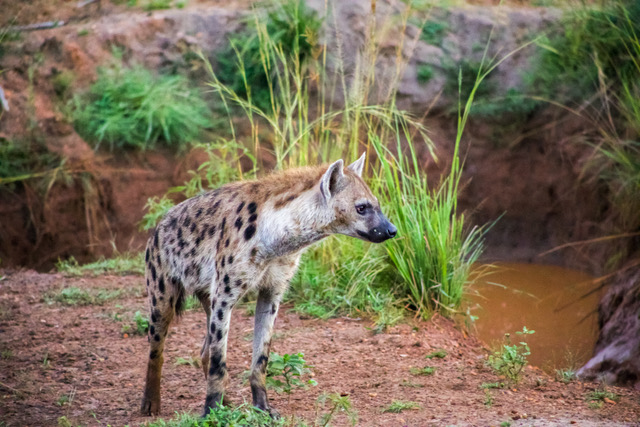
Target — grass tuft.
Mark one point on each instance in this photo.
(121, 264)
(398, 406)
(133, 108)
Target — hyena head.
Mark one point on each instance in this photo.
(356, 211)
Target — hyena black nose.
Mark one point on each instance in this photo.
(391, 230)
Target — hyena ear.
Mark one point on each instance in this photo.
(358, 165)
(331, 179)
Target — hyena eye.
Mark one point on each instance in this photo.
(362, 208)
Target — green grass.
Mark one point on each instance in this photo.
(438, 354)
(566, 375)
(601, 394)
(425, 73)
(189, 361)
(335, 405)
(427, 370)
(398, 406)
(76, 296)
(434, 31)
(150, 5)
(244, 415)
(133, 108)
(121, 264)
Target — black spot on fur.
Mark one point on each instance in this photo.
(179, 309)
(238, 283)
(262, 360)
(187, 222)
(182, 244)
(249, 231)
(222, 262)
(253, 217)
(227, 289)
(198, 240)
(252, 207)
(230, 259)
(211, 231)
(161, 284)
(240, 206)
(155, 239)
(213, 328)
(199, 213)
(226, 244)
(219, 335)
(153, 354)
(173, 223)
(238, 223)
(155, 316)
(154, 302)
(146, 256)
(223, 304)
(193, 227)
(220, 314)
(156, 337)
(216, 366)
(213, 303)
(153, 272)
(226, 277)
(193, 251)
(254, 251)
(147, 283)
(152, 330)
(179, 233)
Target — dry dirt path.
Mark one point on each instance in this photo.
(50, 350)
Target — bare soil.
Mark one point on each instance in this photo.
(50, 350)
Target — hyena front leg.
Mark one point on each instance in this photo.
(205, 300)
(266, 311)
(163, 297)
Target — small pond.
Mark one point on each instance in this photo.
(553, 301)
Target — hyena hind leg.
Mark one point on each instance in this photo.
(165, 299)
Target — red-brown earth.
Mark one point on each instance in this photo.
(50, 350)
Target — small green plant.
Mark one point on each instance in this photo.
(492, 385)
(189, 361)
(46, 362)
(132, 108)
(566, 375)
(488, 398)
(425, 73)
(65, 400)
(427, 370)
(121, 264)
(511, 359)
(61, 83)
(142, 323)
(192, 303)
(398, 406)
(601, 395)
(337, 404)
(83, 32)
(505, 424)
(438, 354)
(289, 367)
(434, 31)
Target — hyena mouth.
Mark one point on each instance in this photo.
(378, 234)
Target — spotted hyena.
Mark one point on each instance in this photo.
(247, 235)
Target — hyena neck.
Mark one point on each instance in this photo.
(295, 226)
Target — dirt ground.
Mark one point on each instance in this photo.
(50, 350)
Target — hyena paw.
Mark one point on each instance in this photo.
(150, 407)
(269, 410)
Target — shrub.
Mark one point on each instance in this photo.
(510, 359)
(132, 108)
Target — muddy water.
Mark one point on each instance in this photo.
(545, 299)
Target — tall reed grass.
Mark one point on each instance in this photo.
(427, 267)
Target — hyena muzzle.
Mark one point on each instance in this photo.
(242, 236)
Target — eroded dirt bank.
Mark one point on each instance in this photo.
(51, 350)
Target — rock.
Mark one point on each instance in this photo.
(616, 357)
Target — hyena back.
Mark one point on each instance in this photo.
(242, 236)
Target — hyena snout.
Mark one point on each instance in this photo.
(381, 231)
